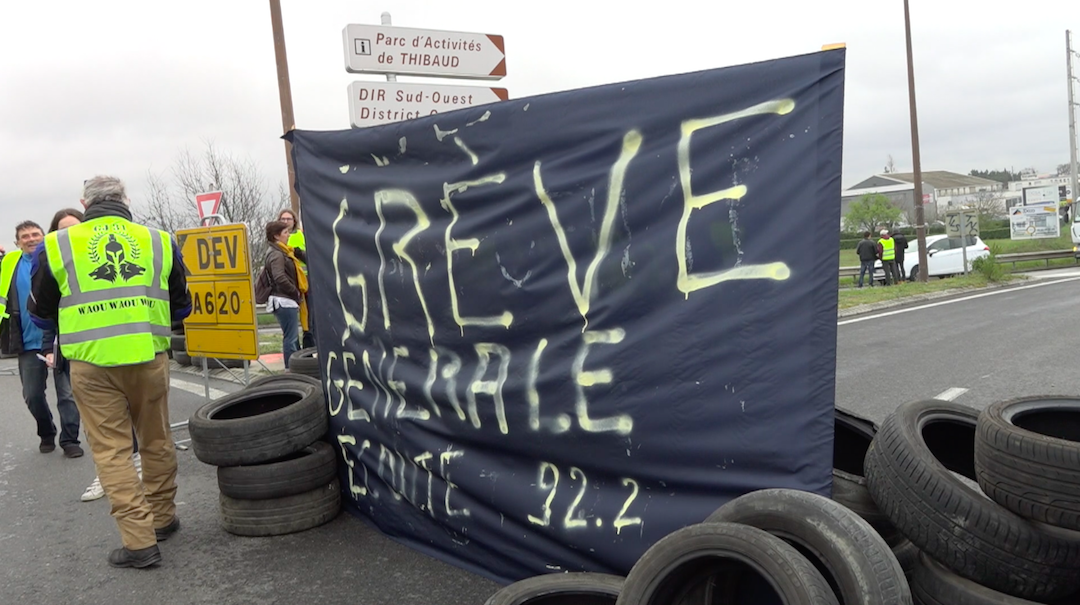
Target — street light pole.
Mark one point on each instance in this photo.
(920, 220)
(1072, 124)
(285, 93)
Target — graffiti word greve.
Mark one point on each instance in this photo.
(422, 480)
(576, 518)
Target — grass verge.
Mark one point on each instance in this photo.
(269, 343)
(865, 296)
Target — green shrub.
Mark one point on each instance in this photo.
(988, 267)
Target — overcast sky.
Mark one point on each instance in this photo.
(121, 87)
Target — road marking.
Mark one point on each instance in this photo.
(197, 389)
(951, 394)
(954, 300)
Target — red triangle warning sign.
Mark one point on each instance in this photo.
(208, 203)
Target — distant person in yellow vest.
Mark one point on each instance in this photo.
(113, 288)
(21, 336)
(298, 242)
(887, 252)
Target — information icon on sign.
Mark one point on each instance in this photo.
(362, 46)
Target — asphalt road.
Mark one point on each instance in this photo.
(976, 350)
(53, 547)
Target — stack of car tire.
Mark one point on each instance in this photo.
(991, 500)
(276, 474)
(941, 506)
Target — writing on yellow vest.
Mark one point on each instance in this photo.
(888, 248)
(114, 291)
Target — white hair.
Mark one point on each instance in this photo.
(104, 188)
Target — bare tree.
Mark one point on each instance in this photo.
(989, 205)
(170, 204)
(890, 165)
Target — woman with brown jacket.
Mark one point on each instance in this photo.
(288, 287)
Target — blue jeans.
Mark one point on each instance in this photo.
(34, 375)
(289, 320)
(866, 267)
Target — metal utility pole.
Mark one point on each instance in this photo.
(285, 93)
(1072, 123)
(920, 220)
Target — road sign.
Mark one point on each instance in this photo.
(222, 323)
(962, 222)
(1034, 222)
(374, 103)
(208, 203)
(383, 49)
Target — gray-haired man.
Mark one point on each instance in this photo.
(114, 288)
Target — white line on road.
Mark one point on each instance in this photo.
(197, 389)
(953, 300)
(951, 394)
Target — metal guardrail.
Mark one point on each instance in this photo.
(1017, 257)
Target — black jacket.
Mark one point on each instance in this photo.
(901, 243)
(867, 250)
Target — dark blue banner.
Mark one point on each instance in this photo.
(555, 329)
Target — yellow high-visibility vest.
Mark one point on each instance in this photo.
(114, 291)
(888, 248)
(7, 272)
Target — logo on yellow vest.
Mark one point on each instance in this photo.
(114, 257)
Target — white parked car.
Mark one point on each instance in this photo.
(945, 256)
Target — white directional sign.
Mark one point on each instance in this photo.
(373, 103)
(383, 49)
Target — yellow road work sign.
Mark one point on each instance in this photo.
(222, 323)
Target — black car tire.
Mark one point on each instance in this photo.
(858, 564)
(303, 471)
(306, 362)
(275, 379)
(741, 562)
(280, 516)
(252, 426)
(1027, 457)
(576, 588)
(909, 472)
(182, 358)
(178, 342)
(851, 439)
(933, 584)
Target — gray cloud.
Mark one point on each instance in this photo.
(121, 86)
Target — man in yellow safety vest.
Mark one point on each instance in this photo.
(114, 287)
(887, 250)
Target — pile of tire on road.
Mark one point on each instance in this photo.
(990, 500)
(943, 505)
(276, 473)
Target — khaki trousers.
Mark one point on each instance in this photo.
(111, 401)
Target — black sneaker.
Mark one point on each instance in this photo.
(47, 446)
(163, 533)
(73, 451)
(144, 557)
